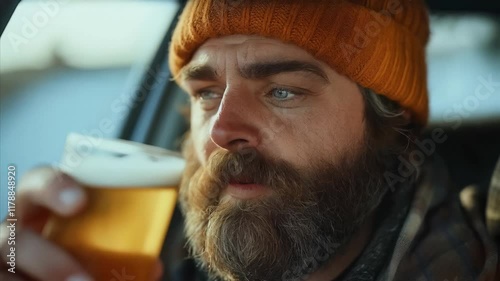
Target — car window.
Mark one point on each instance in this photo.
(463, 59)
(72, 66)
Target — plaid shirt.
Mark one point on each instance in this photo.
(444, 237)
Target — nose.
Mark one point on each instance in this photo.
(235, 126)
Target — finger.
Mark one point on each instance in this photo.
(47, 189)
(44, 261)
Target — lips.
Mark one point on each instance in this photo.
(245, 188)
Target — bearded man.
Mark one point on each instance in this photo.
(303, 163)
(303, 158)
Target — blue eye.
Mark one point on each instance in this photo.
(208, 95)
(282, 94)
(207, 99)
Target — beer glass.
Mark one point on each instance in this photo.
(132, 191)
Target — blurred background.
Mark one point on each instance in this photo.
(99, 68)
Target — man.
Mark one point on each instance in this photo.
(302, 161)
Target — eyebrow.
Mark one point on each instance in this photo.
(256, 70)
(263, 70)
(199, 72)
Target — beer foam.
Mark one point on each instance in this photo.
(120, 163)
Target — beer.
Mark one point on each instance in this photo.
(132, 191)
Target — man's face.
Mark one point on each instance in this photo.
(280, 169)
(271, 96)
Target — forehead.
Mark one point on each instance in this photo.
(252, 57)
(247, 48)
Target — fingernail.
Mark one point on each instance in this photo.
(71, 196)
(79, 277)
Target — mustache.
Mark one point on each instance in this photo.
(248, 166)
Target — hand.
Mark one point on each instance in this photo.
(41, 192)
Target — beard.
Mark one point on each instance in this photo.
(311, 213)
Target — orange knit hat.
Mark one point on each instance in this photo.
(379, 44)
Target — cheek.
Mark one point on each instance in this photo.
(200, 132)
(200, 150)
(330, 134)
